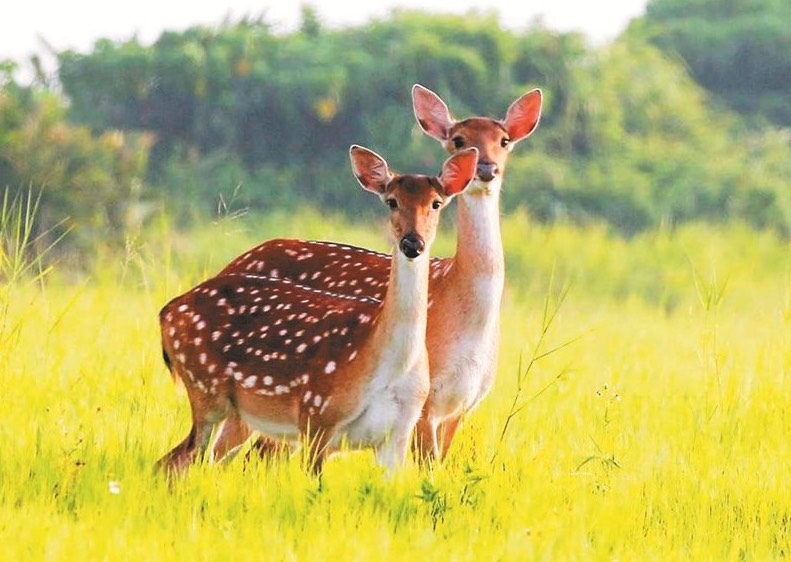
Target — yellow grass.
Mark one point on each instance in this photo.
(657, 428)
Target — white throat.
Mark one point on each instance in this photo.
(479, 246)
(486, 189)
(408, 285)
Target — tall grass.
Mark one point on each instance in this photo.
(656, 429)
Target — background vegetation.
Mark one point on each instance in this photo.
(646, 227)
(681, 118)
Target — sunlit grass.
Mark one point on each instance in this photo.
(658, 430)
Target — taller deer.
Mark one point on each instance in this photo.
(464, 291)
(298, 362)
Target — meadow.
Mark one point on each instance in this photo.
(641, 412)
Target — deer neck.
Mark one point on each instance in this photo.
(401, 327)
(479, 247)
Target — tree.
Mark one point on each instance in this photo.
(740, 50)
(87, 179)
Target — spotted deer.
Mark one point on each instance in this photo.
(302, 363)
(464, 291)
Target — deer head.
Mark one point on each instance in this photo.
(414, 200)
(494, 139)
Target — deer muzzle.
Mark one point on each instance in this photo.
(486, 171)
(412, 245)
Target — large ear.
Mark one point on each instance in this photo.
(458, 171)
(370, 169)
(523, 115)
(431, 113)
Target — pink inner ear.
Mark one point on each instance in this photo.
(458, 172)
(371, 170)
(431, 112)
(523, 115)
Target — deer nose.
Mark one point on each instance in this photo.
(412, 245)
(486, 171)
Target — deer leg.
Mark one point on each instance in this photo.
(207, 412)
(266, 448)
(425, 440)
(392, 452)
(445, 432)
(233, 434)
(197, 441)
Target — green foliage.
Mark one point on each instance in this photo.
(22, 251)
(290, 106)
(641, 147)
(740, 50)
(237, 112)
(90, 181)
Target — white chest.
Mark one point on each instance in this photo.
(394, 398)
(464, 370)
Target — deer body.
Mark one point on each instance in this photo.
(465, 313)
(465, 291)
(296, 362)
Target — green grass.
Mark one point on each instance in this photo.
(658, 429)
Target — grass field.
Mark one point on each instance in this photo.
(650, 422)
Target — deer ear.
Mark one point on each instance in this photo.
(458, 171)
(431, 113)
(522, 117)
(370, 169)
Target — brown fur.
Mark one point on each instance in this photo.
(301, 360)
(450, 299)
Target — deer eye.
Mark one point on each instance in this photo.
(458, 142)
(505, 142)
(392, 203)
(436, 205)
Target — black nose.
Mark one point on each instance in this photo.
(486, 171)
(412, 245)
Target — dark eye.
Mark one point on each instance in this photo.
(505, 142)
(458, 142)
(436, 205)
(392, 203)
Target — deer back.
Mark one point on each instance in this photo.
(327, 266)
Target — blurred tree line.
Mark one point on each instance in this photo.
(739, 50)
(681, 118)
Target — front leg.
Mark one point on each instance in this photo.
(445, 432)
(233, 433)
(193, 446)
(391, 453)
(425, 442)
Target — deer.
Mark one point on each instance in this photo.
(465, 290)
(305, 365)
